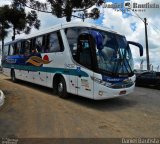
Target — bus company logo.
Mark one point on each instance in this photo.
(38, 61)
(69, 65)
(78, 69)
(140, 7)
(11, 61)
(130, 5)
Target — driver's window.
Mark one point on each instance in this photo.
(85, 53)
(72, 37)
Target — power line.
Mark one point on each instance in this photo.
(138, 16)
(155, 27)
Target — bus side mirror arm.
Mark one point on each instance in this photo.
(138, 45)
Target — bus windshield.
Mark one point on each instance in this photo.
(115, 57)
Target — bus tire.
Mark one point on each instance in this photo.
(13, 77)
(158, 86)
(61, 88)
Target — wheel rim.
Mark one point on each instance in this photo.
(60, 87)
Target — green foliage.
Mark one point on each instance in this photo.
(20, 20)
(32, 21)
(64, 8)
(3, 22)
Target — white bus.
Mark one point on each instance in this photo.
(78, 58)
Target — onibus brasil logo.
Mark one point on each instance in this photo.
(130, 5)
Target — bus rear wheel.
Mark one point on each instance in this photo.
(13, 77)
(61, 88)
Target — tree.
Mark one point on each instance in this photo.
(3, 32)
(20, 20)
(3, 25)
(64, 8)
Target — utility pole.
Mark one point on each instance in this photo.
(158, 68)
(147, 49)
(141, 64)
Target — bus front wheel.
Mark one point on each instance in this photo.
(61, 88)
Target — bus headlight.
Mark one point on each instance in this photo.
(124, 84)
(107, 84)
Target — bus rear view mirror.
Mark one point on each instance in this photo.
(138, 45)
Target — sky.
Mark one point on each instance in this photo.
(126, 23)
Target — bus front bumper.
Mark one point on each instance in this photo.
(103, 92)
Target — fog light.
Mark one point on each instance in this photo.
(122, 92)
(100, 93)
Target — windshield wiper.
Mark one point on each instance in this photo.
(118, 62)
(122, 62)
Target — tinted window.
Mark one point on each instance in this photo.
(5, 50)
(39, 44)
(27, 46)
(85, 53)
(72, 36)
(18, 48)
(11, 50)
(55, 42)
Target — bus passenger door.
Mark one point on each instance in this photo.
(84, 67)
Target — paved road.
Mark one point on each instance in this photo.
(32, 111)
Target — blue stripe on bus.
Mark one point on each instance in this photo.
(65, 71)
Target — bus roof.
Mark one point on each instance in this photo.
(62, 26)
(67, 25)
(12, 42)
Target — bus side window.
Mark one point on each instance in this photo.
(46, 48)
(11, 50)
(72, 37)
(60, 41)
(39, 44)
(43, 43)
(14, 48)
(33, 49)
(33, 45)
(6, 51)
(27, 45)
(55, 42)
(18, 48)
(84, 53)
(22, 50)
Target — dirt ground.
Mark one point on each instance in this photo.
(32, 111)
